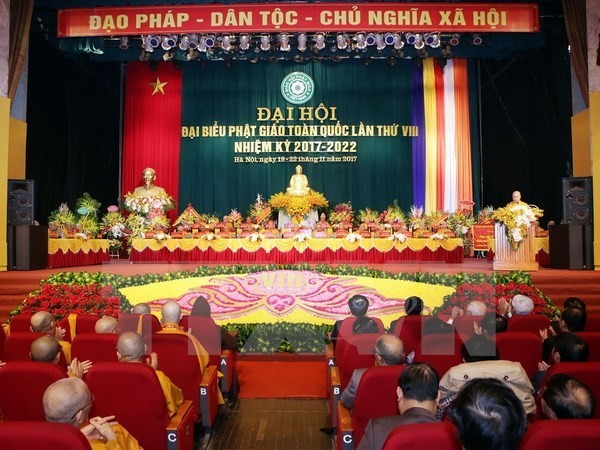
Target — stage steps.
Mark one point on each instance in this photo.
(15, 286)
(584, 284)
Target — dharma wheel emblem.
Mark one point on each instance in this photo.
(297, 88)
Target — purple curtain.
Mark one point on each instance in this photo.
(418, 143)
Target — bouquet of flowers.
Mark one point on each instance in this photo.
(400, 237)
(461, 222)
(187, 218)
(143, 205)
(516, 220)
(234, 218)
(297, 206)
(211, 220)
(486, 215)
(260, 211)
(113, 227)
(368, 216)
(393, 214)
(417, 219)
(62, 221)
(342, 212)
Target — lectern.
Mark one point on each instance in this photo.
(505, 258)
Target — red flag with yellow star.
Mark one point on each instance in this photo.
(152, 124)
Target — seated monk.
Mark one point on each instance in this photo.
(298, 183)
(322, 227)
(43, 322)
(270, 230)
(363, 230)
(131, 348)
(47, 349)
(246, 228)
(70, 401)
(292, 231)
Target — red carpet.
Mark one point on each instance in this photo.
(275, 379)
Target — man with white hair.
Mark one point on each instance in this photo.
(107, 324)
(43, 322)
(69, 401)
(474, 308)
(522, 305)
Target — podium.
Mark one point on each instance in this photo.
(505, 258)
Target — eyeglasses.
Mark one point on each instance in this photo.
(83, 407)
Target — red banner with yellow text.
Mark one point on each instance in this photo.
(295, 17)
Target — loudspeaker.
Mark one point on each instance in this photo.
(20, 202)
(571, 246)
(27, 247)
(577, 200)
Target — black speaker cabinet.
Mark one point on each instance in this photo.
(577, 200)
(20, 202)
(27, 247)
(571, 246)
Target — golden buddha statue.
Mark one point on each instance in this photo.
(298, 183)
(149, 189)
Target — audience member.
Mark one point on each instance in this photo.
(47, 349)
(69, 401)
(474, 308)
(389, 351)
(417, 393)
(522, 305)
(572, 319)
(488, 415)
(358, 305)
(564, 347)
(435, 325)
(43, 322)
(201, 307)
(481, 361)
(491, 324)
(413, 306)
(574, 302)
(141, 308)
(131, 348)
(565, 397)
(364, 325)
(107, 324)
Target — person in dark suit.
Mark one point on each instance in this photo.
(417, 394)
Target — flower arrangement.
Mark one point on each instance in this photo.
(187, 218)
(438, 236)
(160, 237)
(143, 205)
(297, 206)
(461, 222)
(234, 218)
(516, 220)
(209, 236)
(342, 212)
(62, 221)
(300, 237)
(437, 220)
(393, 214)
(255, 237)
(400, 237)
(64, 299)
(211, 220)
(486, 215)
(368, 215)
(260, 211)
(353, 237)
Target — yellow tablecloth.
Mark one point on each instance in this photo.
(77, 245)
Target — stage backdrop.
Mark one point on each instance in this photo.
(369, 134)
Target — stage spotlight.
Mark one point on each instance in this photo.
(244, 42)
(167, 56)
(379, 42)
(398, 42)
(302, 42)
(226, 43)
(168, 42)
(361, 41)
(477, 39)
(184, 42)
(370, 39)
(192, 54)
(431, 38)
(284, 42)
(193, 41)
(210, 41)
(411, 38)
(265, 43)
(390, 39)
(319, 39)
(419, 44)
(455, 39)
(124, 43)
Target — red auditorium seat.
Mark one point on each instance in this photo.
(95, 346)
(464, 326)
(375, 397)
(426, 436)
(588, 373)
(18, 344)
(522, 347)
(22, 387)
(20, 323)
(133, 394)
(84, 323)
(408, 329)
(441, 351)
(575, 434)
(592, 324)
(2, 340)
(592, 339)
(178, 360)
(205, 330)
(41, 435)
(359, 353)
(531, 323)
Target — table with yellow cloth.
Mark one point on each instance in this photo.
(77, 252)
(290, 251)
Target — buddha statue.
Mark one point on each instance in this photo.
(298, 183)
(149, 189)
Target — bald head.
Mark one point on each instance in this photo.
(45, 349)
(141, 308)
(171, 312)
(106, 324)
(131, 347)
(390, 350)
(67, 401)
(476, 308)
(42, 322)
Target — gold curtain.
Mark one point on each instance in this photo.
(575, 22)
(20, 21)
